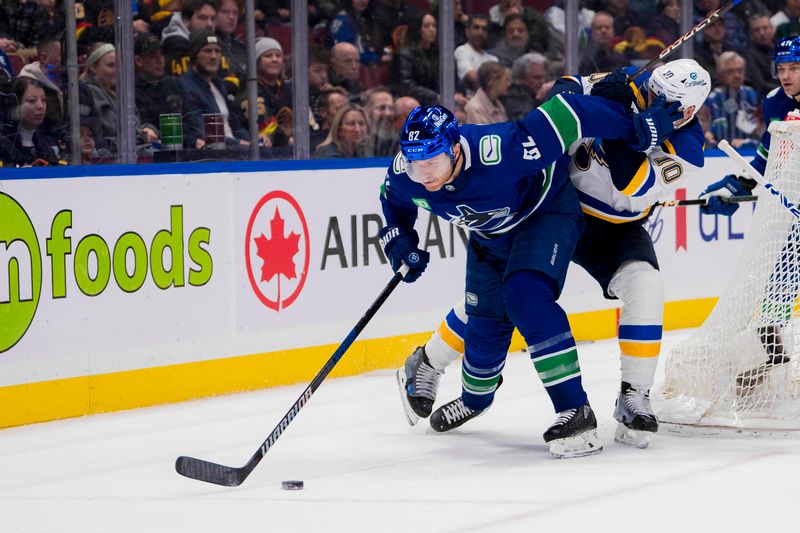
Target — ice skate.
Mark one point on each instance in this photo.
(635, 416)
(574, 434)
(418, 382)
(452, 415)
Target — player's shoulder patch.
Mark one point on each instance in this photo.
(489, 148)
(773, 92)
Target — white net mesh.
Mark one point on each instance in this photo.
(741, 368)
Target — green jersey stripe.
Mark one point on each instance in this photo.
(563, 120)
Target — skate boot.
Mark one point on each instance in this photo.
(418, 382)
(453, 414)
(574, 434)
(635, 416)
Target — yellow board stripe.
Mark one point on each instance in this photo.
(448, 336)
(636, 349)
(65, 398)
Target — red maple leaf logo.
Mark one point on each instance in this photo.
(277, 252)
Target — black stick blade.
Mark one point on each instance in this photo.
(209, 472)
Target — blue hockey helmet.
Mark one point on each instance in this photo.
(786, 51)
(428, 132)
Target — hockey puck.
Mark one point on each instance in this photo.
(292, 484)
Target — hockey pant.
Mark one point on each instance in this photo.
(636, 283)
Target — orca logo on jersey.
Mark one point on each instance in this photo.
(480, 219)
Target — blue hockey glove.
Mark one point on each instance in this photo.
(402, 248)
(654, 125)
(616, 87)
(715, 205)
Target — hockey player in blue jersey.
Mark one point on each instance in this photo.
(778, 300)
(508, 184)
(617, 188)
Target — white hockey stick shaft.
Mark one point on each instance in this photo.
(753, 173)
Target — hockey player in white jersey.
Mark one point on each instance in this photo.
(617, 189)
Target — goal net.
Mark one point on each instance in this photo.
(741, 368)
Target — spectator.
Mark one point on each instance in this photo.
(345, 68)
(379, 108)
(514, 42)
(535, 24)
(758, 56)
(318, 61)
(598, 55)
(416, 64)
(637, 48)
(234, 51)
(735, 30)
(786, 21)
(403, 107)
(204, 93)
(330, 101)
(47, 71)
(274, 95)
(623, 17)
(100, 83)
(354, 24)
(194, 15)
(27, 21)
(471, 55)
(485, 107)
(733, 105)
(528, 75)
(348, 135)
(665, 26)
(707, 52)
(24, 141)
(156, 93)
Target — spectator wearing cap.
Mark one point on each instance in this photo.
(156, 93)
(234, 51)
(712, 46)
(194, 15)
(665, 26)
(203, 92)
(274, 95)
(47, 71)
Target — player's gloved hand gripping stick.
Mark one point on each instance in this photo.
(232, 476)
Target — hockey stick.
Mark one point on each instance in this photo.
(686, 36)
(231, 476)
(753, 173)
(704, 201)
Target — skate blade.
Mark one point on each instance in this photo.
(581, 445)
(411, 416)
(631, 437)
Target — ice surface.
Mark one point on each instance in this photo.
(366, 470)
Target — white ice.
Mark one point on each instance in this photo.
(366, 470)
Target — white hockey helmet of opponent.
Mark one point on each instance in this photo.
(684, 81)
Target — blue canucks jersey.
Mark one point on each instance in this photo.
(776, 106)
(619, 185)
(510, 169)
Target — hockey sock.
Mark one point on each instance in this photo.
(531, 304)
(487, 341)
(641, 289)
(447, 342)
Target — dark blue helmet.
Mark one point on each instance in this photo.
(787, 51)
(429, 131)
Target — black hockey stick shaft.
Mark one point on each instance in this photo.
(688, 35)
(704, 201)
(231, 476)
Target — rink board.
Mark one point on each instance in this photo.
(128, 286)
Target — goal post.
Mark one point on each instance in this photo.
(741, 369)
